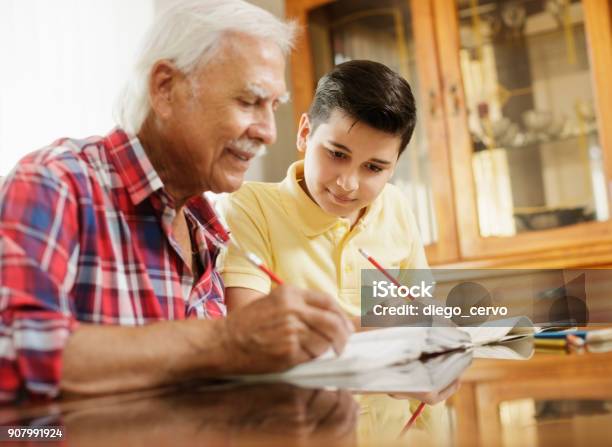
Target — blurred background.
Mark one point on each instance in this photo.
(65, 62)
(511, 161)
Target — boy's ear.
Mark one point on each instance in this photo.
(303, 132)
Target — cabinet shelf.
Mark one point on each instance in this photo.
(457, 78)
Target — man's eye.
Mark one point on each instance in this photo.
(246, 103)
(373, 168)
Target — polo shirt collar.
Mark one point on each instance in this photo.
(313, 220)
(132, 164)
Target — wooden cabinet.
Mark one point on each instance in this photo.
(511, 163)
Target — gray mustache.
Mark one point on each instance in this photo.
(251, 146)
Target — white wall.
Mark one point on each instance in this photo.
(63, 64)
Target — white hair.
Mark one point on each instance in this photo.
(187, 33)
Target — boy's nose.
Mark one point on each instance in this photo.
(348, 181)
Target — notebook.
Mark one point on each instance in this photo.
(382, 348)
(419, 376)
(514, 349)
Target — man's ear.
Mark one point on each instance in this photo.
(163, 83)
(303, 132)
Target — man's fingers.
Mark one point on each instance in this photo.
(328, 325)
(314, 343)
(325, 302)
(308, 343)
(292, 327)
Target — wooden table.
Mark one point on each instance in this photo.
(549, 400)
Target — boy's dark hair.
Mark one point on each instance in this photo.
(369, 92)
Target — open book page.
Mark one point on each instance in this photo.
(445, 368)
(499, 330)
(516, 349)
(444, 339)
(415, 376)
(368, 350)
(382, 348)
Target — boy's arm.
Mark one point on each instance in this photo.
(245, 217)
(236, 297)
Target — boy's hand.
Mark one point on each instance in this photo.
(283, 329)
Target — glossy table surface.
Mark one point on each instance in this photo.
(552, 399)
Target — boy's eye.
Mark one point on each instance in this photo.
(337, 154)
(373, 167)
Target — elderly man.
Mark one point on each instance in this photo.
(107, 245)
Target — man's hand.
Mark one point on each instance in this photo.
(274, 333)
(283, 329)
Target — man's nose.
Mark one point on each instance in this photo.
(264, 129)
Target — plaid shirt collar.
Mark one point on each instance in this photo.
(132, 164)
(142, 181)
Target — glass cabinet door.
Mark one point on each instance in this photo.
(521, 102)
(387, 31)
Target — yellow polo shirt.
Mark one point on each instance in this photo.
(310, 248)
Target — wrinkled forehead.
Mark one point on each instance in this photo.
(248, 51)
(262, 92)
(249, 64)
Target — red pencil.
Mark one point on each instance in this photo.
(413, 418)
(375, 263)
(382, 270)
(254, 259)
(257, 262)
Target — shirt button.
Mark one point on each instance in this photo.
(348, 268)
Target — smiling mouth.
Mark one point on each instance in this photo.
(340, 198)
(241, 155)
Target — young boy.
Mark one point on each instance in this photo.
(309, 227)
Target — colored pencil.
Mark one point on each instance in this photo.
(413, 418)
(544, 343)
(380, 268)
(257, 262)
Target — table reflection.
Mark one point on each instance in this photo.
(273, 413)
(221, 413)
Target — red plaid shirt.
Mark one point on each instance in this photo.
(86, 236)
